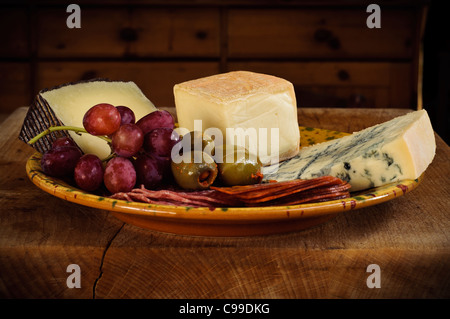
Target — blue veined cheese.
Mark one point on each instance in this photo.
(399, 149)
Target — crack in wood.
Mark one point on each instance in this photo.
(103, 258)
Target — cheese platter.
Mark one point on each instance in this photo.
(223, 221)
(138, 163)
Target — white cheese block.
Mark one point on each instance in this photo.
(401, 148)
(256, 103)
(71, 102)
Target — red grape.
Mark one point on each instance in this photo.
(165, 168)
(156, 119)
(120, 175)
(88, 172)
(60, 161)
(149, 170)
(102, 119)
(126, 114)
(127, 140)
(63, 141)
(160, 141)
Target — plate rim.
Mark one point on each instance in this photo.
(369, 197)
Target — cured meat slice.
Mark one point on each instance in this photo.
(267, 194)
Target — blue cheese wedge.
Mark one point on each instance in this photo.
(254, 103)
(399, 149)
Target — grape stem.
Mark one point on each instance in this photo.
(106, 159)
(64, 128)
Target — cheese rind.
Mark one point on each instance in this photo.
(70, 102)
(401, 148)
(243, 100)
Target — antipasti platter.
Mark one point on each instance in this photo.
(103, 144)
(222, 221)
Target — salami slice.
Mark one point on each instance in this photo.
(294, 192)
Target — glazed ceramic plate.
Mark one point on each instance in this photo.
(239, 221)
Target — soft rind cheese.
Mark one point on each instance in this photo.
(244, 100)
(67, 104)
(399, 149)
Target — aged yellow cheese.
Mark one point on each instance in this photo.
(70, 102)
(253, 102)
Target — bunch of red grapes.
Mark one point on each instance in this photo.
(140, 150)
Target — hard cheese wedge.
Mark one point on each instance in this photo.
(256, 103)
(67, 104)
(401, 148)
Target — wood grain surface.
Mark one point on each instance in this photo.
(41, 235)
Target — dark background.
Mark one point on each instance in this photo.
(436, 86)
(323, 47)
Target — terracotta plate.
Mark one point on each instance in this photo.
(241, 221)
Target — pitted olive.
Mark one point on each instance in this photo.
(196, 171)
(238, 166)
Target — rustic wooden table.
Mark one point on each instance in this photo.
(41, 235)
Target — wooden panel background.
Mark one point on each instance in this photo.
(14, 85)
(319, 33)
(15, 35)
(140, 32)
(328, 52)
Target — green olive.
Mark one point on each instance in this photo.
(207, 143)
(238, 167)
(199, 172)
